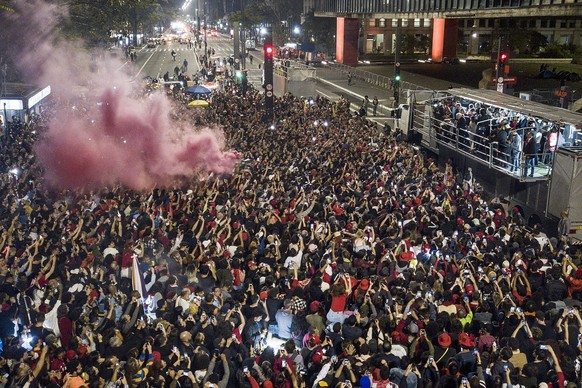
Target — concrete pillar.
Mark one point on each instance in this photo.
(346, 46)
(444, 39)
(474, 43)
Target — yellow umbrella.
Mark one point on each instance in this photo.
(198, 103)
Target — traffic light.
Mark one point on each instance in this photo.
(503, 65)
(268, 52)
(396, 83)
(502, 59)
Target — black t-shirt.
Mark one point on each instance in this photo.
(207, 283)
(556, 290)
(351, 332)
(273, 305)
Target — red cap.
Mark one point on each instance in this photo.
(444, 340)
(466, 341)
(156, 356)
(263, 295)
(317, 357)
(314, 306)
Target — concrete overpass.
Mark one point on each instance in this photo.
(445, 15)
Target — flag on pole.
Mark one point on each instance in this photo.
(137, 279)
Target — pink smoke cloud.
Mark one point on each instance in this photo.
(113, 134)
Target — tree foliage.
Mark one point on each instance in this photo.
(95, 19)
(523, 40)
(322, 30)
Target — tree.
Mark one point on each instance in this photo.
(523, 40)
(322, 30)
(94, 19)
(423, 43)
(277, 13)
(408, 44)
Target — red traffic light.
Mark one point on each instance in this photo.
(269, 50)
(503, 57)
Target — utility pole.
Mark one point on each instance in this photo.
(243, 35)
(205, 30)
(268, 53)
(396, 83)
(4, 93)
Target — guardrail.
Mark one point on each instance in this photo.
(485, 149)
(378, 80)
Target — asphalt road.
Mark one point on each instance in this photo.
(154, 62)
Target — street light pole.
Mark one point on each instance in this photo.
(243, 35)
(205, 30)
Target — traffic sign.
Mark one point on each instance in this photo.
(500, 87)
(397, 64)
(510, 80)
(506, 80)
(269, 94)
(269, 87)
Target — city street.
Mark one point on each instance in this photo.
(155, 61)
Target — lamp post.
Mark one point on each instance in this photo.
(243, 35)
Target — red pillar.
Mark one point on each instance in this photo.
(444, 39)
(346, 47)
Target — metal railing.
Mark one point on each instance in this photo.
(485, 149)
(378, 80)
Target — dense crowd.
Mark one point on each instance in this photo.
(335, 255)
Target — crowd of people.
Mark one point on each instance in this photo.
(335, 255)
(516, 142)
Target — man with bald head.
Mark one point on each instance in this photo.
(185, 345)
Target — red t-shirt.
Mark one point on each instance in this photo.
(66, 329)
(338, 303)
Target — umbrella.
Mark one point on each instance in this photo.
(198, 103)
(198, 89)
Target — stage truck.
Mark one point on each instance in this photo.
(440, 121)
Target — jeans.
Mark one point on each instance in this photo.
(515, 155)
(530, 162)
